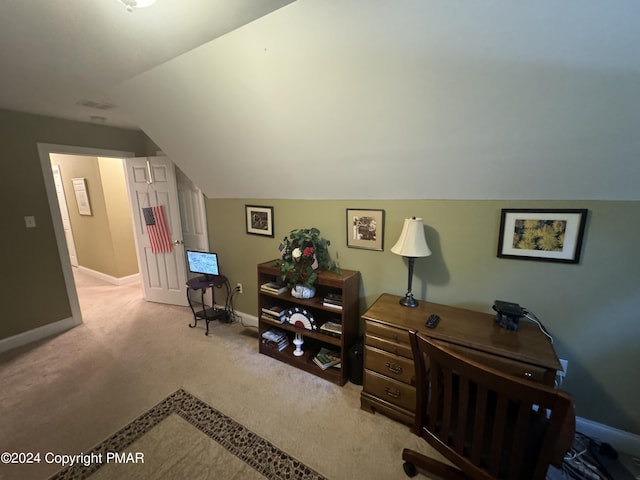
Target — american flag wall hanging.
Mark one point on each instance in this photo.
(157, 229)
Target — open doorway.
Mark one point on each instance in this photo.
(96, 216)
(195, 218)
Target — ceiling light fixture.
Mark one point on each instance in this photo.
(131, 4)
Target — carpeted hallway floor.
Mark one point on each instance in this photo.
(69, 392)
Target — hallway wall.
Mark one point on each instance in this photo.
(104, 240)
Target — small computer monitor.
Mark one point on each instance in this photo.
(204, 263)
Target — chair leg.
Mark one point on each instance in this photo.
(414, 460)
(410, 469)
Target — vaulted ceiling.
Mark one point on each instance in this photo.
(373, 99)
(54, 54)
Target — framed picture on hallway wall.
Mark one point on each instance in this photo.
(82, 198)
(547, 235)
(259, 220)
(365, 229)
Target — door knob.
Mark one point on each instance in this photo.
(178, 242)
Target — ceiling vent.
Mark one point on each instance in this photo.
(96, 105)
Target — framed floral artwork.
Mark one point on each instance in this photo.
(365, 229)
(548, 235)
(259, 220)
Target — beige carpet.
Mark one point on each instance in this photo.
(170, 440)
(68, 393)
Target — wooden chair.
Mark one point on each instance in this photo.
(490, 425)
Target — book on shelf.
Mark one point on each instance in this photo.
(273, 287)
(277, 310)
(331, 305)
(332, 328)
(273, 318)
(277, 313)
(333, 300)
(275, 335)
(281, 345)
(326, 358)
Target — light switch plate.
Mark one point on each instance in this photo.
(30, 221)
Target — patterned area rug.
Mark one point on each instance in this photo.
(246, 448)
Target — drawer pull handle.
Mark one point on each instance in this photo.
(392, 393)
(528, 374)
(394, 367)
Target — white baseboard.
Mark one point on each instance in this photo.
(110, 279)
(619, 439)
(37, 334)
(248, 320)
(245, 319)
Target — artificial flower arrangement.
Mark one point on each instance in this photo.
(302, 252)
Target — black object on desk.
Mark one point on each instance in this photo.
(209, 314)
(433, 320)
(508, 315)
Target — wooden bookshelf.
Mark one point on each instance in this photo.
(347, 284)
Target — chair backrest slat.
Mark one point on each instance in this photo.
(433, 397)
(462, 430)
(479, 424)
(446, 406)
(519, 441)
(497, 434)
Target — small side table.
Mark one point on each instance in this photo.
(209, 314)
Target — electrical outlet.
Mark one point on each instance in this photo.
(30, 221)
(565, 365)
(239, 287)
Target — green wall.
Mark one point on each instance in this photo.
(591, 308)
(32, 282)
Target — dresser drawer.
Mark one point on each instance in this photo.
(393, 366)
(393, 340)
(506, 365)
(390, 390)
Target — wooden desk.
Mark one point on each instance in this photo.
(389, 378)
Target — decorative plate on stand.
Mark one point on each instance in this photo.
(302, 318)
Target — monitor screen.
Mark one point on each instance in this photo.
(205, 263)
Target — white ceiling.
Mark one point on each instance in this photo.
(416, 99)
(54, 53)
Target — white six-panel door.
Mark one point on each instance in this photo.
(194, 223)
(192, 214)
(150, 184)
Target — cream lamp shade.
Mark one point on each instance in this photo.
(411, 244)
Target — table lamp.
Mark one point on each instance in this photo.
(411, 244)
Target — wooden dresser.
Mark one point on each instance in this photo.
(389, 379)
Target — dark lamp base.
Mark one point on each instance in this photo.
(409, 301)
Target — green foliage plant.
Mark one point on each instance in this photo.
(302, 252)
